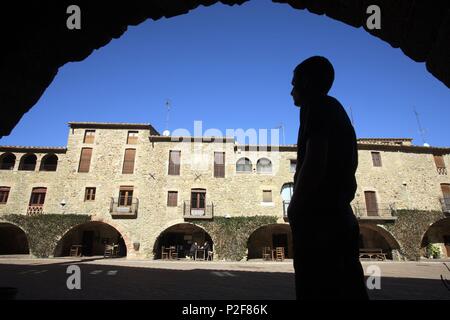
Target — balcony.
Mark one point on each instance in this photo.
(445, 203)
(35, 210)
(126, 207)
(441, 171)
(384, 212)
(198, 213)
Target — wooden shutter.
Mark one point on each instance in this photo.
(89, 136)
(376, 159)
(371, 203)
(174, 162)
(128, 162)
(445, 187)
(219, 164)
(172, 198)
(85, 160)
(439, 161)
(267, 195)
(132, 137)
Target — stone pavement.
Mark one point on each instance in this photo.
(150, 279)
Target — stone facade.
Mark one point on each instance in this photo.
(407, 179)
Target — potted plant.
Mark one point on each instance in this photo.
(433, 251)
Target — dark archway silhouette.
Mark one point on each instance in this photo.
(272, 235)
(7, 161)
(181, 236)
(438, 234)
(420, 28)
(92, 237)
(13, 240)
(28, 162)
(375, 237)
(49, 162)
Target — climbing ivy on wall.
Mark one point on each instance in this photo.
(410, 227)
(44, 231)
(230, 235)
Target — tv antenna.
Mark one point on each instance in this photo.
(168, 104)
(421, 130)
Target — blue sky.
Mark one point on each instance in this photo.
(231, 67)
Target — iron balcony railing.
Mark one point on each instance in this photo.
(198, 213)
(124, 206)
(441, 171)
(445, 203)
(34, 210)
(383, 210)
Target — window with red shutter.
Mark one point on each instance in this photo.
(174, 162)
(172, 198)
(85, 160)
(219, 164)
(371, 203)
(4, 194)
(89, 136)
(128, 162)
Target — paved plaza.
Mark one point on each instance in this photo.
(149, 279)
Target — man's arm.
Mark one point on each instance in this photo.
(312, 171)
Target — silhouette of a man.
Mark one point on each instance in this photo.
(324, 228)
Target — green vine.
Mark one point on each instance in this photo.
(230, 235)
(44, 231)
(410, 227)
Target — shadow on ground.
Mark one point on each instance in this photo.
(120, 282)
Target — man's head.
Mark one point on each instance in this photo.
(313, 78)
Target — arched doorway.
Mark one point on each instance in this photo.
(13, 240)
(92, 237)
(438, 234)
(273, 235)
(181, 236)
(375, 237)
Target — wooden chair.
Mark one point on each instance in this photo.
(279, 254)
(75, 251)
(173, 253)
(267, 253)
(164, 253)
(109, 251)
(210, 255)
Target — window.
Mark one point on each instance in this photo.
(440, 164)
(376, 159)
(244, 165)
(89, 195)
(293, 166)
(174, 162)
(267, 195)
(132, 137)
(7, 161)
(4, 194)
(128, 161)
(89, 136)
(198, 197)
(264, 165)
(49, 163)
(85, 160)
(28, 162)
(126, 196)
(371, 203)
(38, 196)
(219, 164)
(172, 197)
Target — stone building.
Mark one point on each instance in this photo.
(126, 185)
